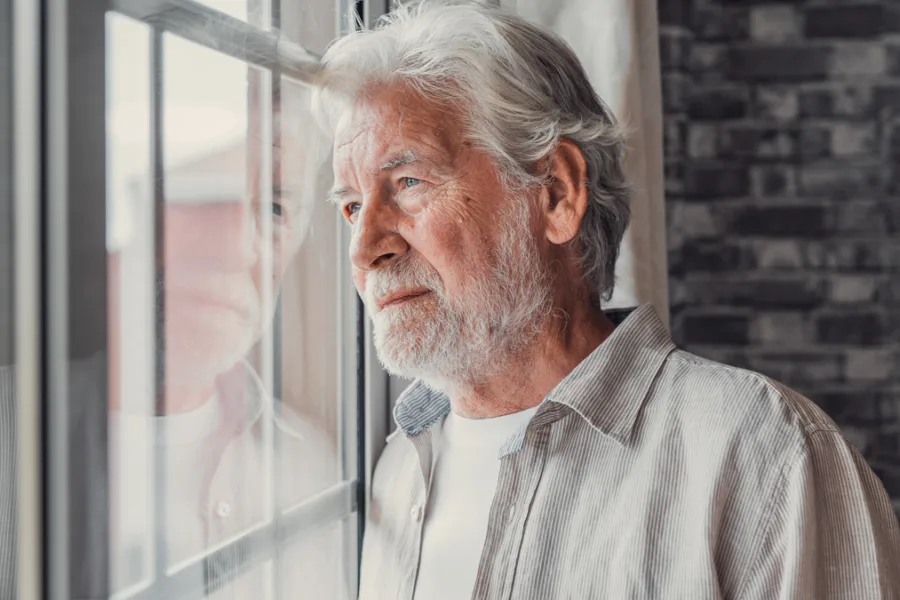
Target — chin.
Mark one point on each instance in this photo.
(197, 354)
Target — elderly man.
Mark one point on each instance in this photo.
(549, 449)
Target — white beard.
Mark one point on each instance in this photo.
(462, 343)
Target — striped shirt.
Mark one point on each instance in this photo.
(8, 491)
(650, 473)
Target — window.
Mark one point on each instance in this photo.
(200, 364)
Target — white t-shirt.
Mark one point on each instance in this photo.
(465, 478)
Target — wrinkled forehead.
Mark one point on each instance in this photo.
(390, 120)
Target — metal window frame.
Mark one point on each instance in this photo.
(59, 102)
(26, 130)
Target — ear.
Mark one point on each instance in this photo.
(566, 199)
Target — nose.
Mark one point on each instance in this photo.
(376, 242)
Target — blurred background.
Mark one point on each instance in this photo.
(782, 185)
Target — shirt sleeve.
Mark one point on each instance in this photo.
(830, 531)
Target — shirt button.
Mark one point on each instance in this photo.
(223, 510)
(416, 513)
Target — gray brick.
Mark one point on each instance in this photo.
(689, 221)
(841, 180)
(837, 100)
(674, 12)
(858, 59)
(674, 89)
(893, 141)
(851, 21)
(863, 217)
(744, 141)
(847, 255)
(780, 221)
(815, 142)
(780, 63)
(793, 292)
(716, 181)
(711, 22)
(703, 140)
(893, 59)
(854, 289)
(674, 48)
(718, 102)
(890, 477)
(674, 136)
(779, 254)
(889, 291)
(715, 329)
(773, 180)
(781, 329)
(797, 367)
(776, 102)
(708, 59)
(705, 256)
(673, 176)
(851, 407)
(871, 364)
(851, 328)
(853, 139)
(887, 99)
(775, 23)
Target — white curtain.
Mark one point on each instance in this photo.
(617, 42)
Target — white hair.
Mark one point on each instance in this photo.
(522, 90)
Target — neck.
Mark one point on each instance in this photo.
(567, 338)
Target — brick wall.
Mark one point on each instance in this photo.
(782, 146)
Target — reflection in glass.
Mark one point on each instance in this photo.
(226, 411)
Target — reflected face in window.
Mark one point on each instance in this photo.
(216, 280)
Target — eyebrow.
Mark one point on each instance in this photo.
(335, 195)
(406, 157)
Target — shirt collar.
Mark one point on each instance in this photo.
(606, 389)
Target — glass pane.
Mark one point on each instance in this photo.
(8, 440)
(310, 24)
(225, 324)
(253, 11)
(130, 270)
(324, 568)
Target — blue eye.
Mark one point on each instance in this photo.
(409, 182)
(351, 209)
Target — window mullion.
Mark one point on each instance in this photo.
(222, 33)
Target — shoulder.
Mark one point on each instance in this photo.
(737, 413)
(740, 396)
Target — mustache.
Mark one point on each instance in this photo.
(403, 274)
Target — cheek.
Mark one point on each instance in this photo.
(449, 246)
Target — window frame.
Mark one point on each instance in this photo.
(59, 87)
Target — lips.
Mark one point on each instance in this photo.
(399, 297)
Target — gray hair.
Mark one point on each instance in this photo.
(522, 89)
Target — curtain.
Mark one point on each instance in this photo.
(617, 42)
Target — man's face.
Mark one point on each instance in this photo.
(214, 276)
(443, 254)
